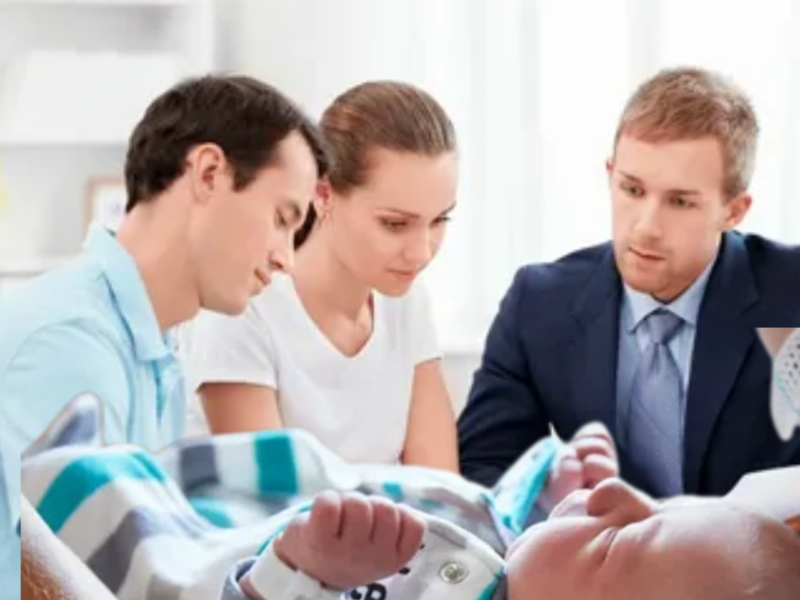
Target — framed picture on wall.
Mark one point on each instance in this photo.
(105, 201)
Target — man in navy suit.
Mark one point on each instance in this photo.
(654, 333)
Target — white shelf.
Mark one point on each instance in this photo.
(75, 78)
(11, 143)
(94, 3)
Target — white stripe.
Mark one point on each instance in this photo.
(236, 465)
(200, 568)
(101, 514)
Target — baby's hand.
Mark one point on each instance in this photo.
(583, 463)
(350, 540)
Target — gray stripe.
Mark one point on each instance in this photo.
(198, 465)
(81, 428)
(232, 591)
(501, 591)
(112, 561)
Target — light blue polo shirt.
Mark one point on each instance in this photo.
(86, 328)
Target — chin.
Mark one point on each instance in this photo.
(394, 289)
(644, 285)
(639, 283)
(228, 306)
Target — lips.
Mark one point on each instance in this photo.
(405, 274)
(646, 254)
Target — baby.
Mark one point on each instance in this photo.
(615, 543)
(403, 533)
(350, 541)
(610, 542)
(253, 515)
(604, 541)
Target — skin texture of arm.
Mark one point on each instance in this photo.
(431, 439)
(256, 407)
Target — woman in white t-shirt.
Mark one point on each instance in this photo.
(345, 348)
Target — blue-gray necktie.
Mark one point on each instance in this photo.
(654, 423)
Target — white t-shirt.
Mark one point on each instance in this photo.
(356, 406)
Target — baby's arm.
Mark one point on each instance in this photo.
(345, 541)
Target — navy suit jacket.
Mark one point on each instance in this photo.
(551, 359)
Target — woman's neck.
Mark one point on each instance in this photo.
(324, 282)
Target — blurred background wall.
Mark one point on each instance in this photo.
(535, 88)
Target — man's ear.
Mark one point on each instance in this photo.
(737, 210)
(208, 171)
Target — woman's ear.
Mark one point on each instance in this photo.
(323, 199)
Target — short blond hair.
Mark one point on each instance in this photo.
(691, 103)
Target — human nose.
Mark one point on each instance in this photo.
(420, 248)
(617, 501)
(281, 258)
(648, 220)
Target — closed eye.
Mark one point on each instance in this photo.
(282, 221)
(394, 224)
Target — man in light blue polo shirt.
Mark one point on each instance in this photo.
(220, 172)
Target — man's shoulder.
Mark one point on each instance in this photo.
(71, 300)
(771, 258)
(567, 275)
(775, 268)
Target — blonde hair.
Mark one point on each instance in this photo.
(692, 103)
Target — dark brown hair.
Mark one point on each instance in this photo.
(387, 115)
(245, 117)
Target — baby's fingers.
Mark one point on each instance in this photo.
(597, 468)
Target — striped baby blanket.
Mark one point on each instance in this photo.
(185, 523)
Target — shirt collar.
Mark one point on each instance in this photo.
(128, 292)
(686, 306)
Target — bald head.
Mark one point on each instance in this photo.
(615, 544)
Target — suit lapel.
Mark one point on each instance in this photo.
(594, 369)
(721, 344)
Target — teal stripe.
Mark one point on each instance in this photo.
(490, 589)
(213, 511)
(532, 485)
(84, 477)
(394, 491)
(277, 470)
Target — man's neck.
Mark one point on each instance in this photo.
(154, 234)
(320, 275)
